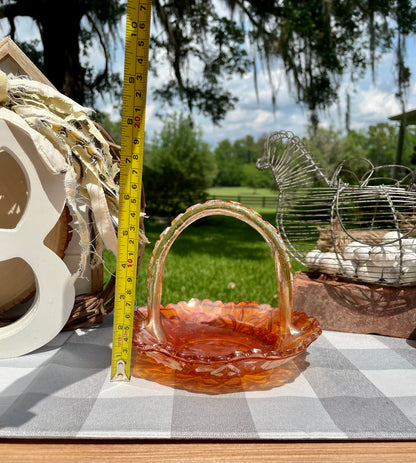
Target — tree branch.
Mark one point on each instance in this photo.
(176, 61)
(22, 8)
(101, 76)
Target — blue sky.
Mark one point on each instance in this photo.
(371, 101)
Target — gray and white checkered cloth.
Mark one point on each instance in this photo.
(348, 386)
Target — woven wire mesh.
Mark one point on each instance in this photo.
(360, 224)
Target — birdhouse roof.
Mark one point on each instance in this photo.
(14, 61)
(408, 117)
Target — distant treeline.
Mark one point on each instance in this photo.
(179, 166)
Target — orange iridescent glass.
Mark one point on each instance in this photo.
(216, 339)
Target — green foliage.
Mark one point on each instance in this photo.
(377, 143)
(229, 173)
(179, 167)
(248, 150)
(225, 151)
(198, 30)
(229, 169)
(380, 143)
(325, 147)
(236, 163)
(254, 178)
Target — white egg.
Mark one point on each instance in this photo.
(357, 251)
(409, 259)
(408, 274)
(392, 236)
(384, 256)
(328, 263)
(369, 273)
(348, 268)
(312, 258)
(391, 274)
(408, 267)
(362, 253)
(349, 250)
(409, 244)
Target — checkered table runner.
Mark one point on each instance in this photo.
(347, 386)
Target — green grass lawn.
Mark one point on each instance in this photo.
(240, 191)
(219, 258)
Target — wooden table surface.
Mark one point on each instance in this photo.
(12, 451)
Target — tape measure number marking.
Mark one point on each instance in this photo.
(131, 168)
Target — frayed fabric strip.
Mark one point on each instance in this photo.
(70, 145)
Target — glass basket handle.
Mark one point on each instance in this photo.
(233, 209)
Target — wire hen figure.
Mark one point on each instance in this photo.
(359, 224)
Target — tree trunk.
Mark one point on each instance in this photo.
(61, 57)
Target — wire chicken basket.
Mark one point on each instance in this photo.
(360, 224)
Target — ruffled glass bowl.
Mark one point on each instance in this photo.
(216, 338)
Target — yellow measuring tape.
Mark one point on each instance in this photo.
(131, 167)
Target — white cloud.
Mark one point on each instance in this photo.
(262, 118)
(375, 104)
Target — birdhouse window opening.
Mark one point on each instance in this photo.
(13, 191)
(17, 290)
(18, 285)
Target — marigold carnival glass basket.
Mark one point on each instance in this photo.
(216, 338)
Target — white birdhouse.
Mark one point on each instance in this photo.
(58, 205)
